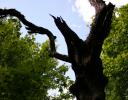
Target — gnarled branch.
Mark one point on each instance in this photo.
(72, 40)
(36, 29)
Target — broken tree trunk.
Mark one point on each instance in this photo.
(84, 56)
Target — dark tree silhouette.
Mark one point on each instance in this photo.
(83, 55)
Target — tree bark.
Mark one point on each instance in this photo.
(84, 55)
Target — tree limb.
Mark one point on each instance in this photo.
(36, 29)
(100, 26)
(72, 40)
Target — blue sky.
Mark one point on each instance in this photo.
(77, 14)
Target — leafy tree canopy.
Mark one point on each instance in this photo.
(26, 70)
(115, 56)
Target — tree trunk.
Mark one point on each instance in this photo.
(85, 55)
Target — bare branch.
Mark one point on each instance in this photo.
(36, 29)
(71, 38)
(100, 26)
(102, 18)
(62, 57)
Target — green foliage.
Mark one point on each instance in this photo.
(115, 56)
(26, 70)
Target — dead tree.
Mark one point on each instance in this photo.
(84, 56)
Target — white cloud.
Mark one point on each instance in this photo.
(86, 11)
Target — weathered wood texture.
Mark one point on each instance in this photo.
(84, 55)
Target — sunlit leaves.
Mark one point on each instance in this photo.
(27, 72)
(115, 56)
